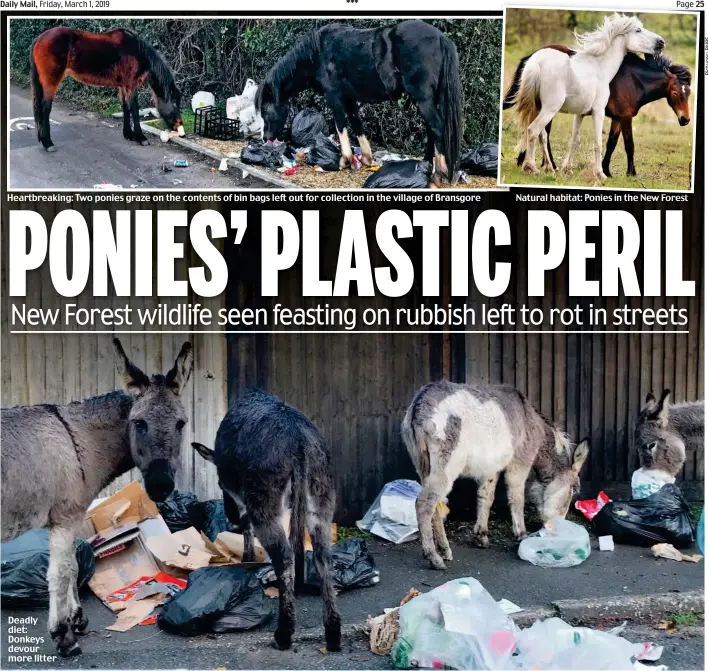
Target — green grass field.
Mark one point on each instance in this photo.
(663, 149)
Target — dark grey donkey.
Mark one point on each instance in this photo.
(270, 456)
(57, 458)
(477, 431)
(664, 432)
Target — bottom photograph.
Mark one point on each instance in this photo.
(304, 501)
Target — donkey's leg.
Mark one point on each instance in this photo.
(440, 536)
(485, 498)
(435, 488)
(237, 513)
(515, 477)
(598, 116)
(138, 134)
(629, 146)
(573, 145)
(61, 577)
(319, 523)
(612, 139)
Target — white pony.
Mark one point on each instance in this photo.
(577, 83)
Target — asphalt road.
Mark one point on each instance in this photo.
(91, 150)
(627, 570)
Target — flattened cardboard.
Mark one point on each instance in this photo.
(232, 545)
(140, 507)
(135, 612)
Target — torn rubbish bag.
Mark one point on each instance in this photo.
(266, 154)
(25, 561)
(352, 566)
(218, 599)
(324, 153)
(408, 174)
(181, 510)
(307, 125)
(484, 160)
(663, 517)
(392, 514)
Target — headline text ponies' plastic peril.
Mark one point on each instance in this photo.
(124, 249)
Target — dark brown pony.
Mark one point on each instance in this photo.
(638, 82)
(116, 58)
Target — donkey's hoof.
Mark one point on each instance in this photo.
(282, 640)
(437, 563)
(79, 622)
(333, 638)
(51, 148)
(446, 554)
(522, 536)
(74, 651)
(481, 540)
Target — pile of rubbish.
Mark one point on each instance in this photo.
(459, 625)
(178, 564)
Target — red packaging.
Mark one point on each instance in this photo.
(591, 507)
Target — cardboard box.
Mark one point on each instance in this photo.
(113, 510)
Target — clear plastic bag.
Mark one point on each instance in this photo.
(558, 544)
(392, 514)
(456, 626)
(646, 482)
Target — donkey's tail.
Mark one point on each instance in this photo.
(450, 105)
(298, 513)
(37, 92)
(510, 97)
(415, 444)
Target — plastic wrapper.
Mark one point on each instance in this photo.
(203, 99)
(646, 481)
(324, 153)
(266, 154)
(408, 174)
(392, 514)
(455, 626)
(25, 561)
(215, 520)
(664, 517)
(591, 507)
(559, 544)
(484, 160)
(307, 125)
(218, 599)
(352, 566)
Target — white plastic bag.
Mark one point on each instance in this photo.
(392, 514)
(647, 481)
(202, 99)
(249, 91)
(235, 104)
(251, 121)
(455, 626)
(559, 543)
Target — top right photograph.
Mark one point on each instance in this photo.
(599, 99)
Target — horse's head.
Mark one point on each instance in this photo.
(157, 419)
(273, 111)
(643, 41)
(169, 108)
(677, 94)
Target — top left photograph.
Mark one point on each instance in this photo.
(236, 103)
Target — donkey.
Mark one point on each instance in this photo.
(56, 459)
(269, 456)
(664, 432)
(479, 430)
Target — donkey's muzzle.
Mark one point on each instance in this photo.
(159, 480)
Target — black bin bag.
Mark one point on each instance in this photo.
(25, 561)
(663, 517)
(181, 510)
(352, 567)
(484, 160)
(306, 126)
(268, 155)
(215, 520)
(218, 599)
(408, 174)
(324, 153)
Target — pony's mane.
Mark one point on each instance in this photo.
(598, 41)
(161, 79)
(286, 68)
(683, 74)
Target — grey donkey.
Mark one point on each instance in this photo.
(57, 458)
(269, 457)
(477, 431)
(664, 432)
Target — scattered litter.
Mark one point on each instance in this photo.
(484, 160)
(607, 544)
(408, 174)
(664, 517)
(218, 599)
(110, 125)
(165, 135)
(668, 551)
(383, 156)
(324, 154)
(203, 99)
(144, 113)
(166, 167)
(616, 631)
(560, 544)
(25, 561)
(105, 186)
(509, 607)
(383, 629)
(591, 507)
(181, 163)
(392, 514)
(267, 154)
(647, 481)
(307, 126)
(212, 169)
(224, 165)
(352, 566)
(235, 104)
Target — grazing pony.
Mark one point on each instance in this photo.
(638, 82)
(351, 66)
(57, 458)
(270, 457)
(477, 431)
(116, 58)
(664, 432)
(576, 82)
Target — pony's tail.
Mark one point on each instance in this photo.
(526, 100)
(37, 93)
(512, 92)
(298, 514)
(450, 105)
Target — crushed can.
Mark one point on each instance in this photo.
(181, 163)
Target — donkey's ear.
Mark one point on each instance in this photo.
(580, 455)
(178, 375)
(134, 380)
(204, 451)
(649, 403)
(661, 413)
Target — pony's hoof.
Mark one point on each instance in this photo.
(343, 162)
(437, 563)
(143, 142)
(531, 169)
(367, 160)
(481, 540)
(51, 148)
(601, 176)
(549, 170)
(447, 554)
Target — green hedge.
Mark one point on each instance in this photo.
(220, 55)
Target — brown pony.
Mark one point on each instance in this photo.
(116, 58)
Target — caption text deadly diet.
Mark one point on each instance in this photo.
(22, 647)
